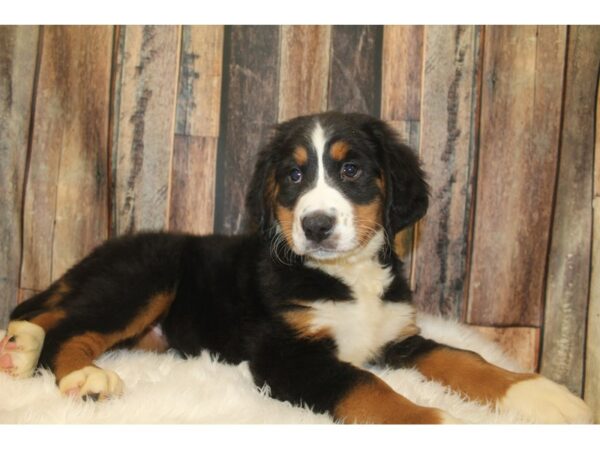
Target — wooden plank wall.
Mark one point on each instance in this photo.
(110, 130)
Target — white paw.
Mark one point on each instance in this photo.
(544, 401)
(20, 348)
(92, 382)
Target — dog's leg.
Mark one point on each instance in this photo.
(30, 321)
(531, 395)
(306, 371)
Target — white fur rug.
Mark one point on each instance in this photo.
(167, 389)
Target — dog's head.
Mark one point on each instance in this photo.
(327, 183)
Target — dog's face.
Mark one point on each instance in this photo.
(328, 183)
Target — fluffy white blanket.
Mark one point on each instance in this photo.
(167, 389)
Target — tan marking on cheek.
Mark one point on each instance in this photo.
(285, 217)
(468, 373)
(373, 401)
(300, 156)
(367, 220)
(302, 321)
(79, 351)
(339, 150)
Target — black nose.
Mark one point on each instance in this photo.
(317, 226)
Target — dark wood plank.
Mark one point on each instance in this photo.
(197, 126)
(144, 126)
(567, 285)
(355, 72)
(520, 343)
(66, 212)
(518, 152)
(18, 50)
(304, 70)
(451, 58)
(402, 64)
(592, 354)
(250, 109)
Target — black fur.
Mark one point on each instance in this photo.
(230, 292)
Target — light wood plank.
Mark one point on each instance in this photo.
(402, 65)
(569, 262)
(66, 212)
(304, 70)
(592, 354)
(193, 184)
(200, 76)
(197, 125)
(451, 58)
(520, 343)
(18, 50)
(251, 108)
(518, 152)
(144, 126)
(354, 80)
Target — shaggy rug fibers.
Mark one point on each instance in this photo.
(168, 389)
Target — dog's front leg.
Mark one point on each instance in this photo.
(533, 396)
(306, 371)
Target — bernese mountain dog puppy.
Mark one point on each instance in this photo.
(311, 297)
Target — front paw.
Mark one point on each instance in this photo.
(544, 401)
(20, 348)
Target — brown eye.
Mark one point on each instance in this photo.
(350, 171)
(295, 175)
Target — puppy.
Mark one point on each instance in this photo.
(309, 298)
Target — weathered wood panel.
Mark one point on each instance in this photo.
(200, 75)
(592, 354)
(520, 343)
(144, 126)
(18, 50)
(569, 263)
(66, 212)
(198, 115)
(520, 124)
(304, 70)
(251, 107)
(355, 69)
(451, 58)
(402, 65)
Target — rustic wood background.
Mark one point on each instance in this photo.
(107, 130)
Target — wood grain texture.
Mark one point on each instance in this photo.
(18, 51)
(520, 343)
(592, 354)
(145, 103)
(66, 212)
(200, 75)
(518, 152)
(451, 58)
(304, 70)
(567, 285)
(197, 125)
(355, 69)
(193, 184)
(402, 66)
(24, 294)
(251, 108)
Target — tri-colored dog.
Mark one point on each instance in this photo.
(311, 297)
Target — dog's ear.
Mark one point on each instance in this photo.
(407, 192)
(261, 192)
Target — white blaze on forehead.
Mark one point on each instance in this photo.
(326, 198)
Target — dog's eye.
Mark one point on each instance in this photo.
(350, 171)
(296, 175)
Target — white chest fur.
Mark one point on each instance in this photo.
(362, 326)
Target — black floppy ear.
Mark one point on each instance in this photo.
(261, 192)
(407, 192)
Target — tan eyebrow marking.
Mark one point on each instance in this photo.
(300, 155)
(339, 150)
